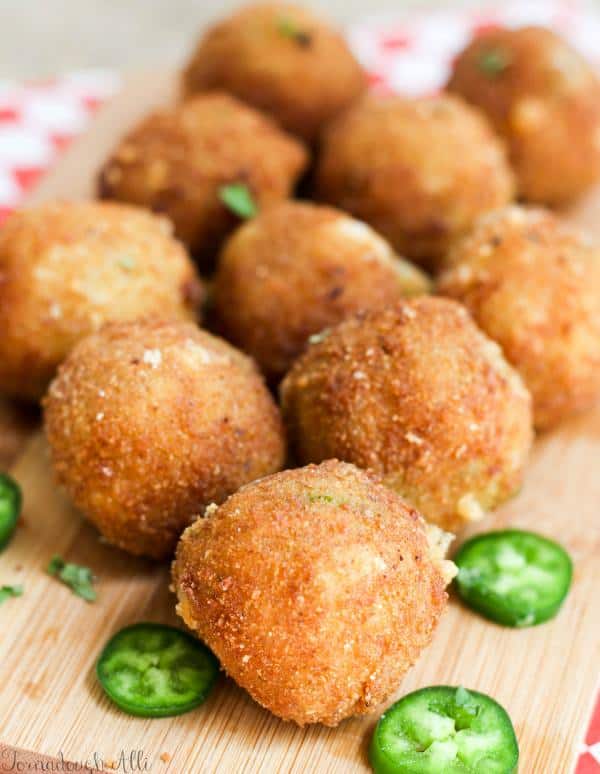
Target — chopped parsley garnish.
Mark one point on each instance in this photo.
(494, 61)
(6, 592)
(317, 338)
(79, 579)
(290, 29)
(238, 198)
(317, 497)
(323, 497)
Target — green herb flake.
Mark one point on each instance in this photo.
(317, 338)
(79, 579)
(494, 61)
(126, 263)
(317, 497)
(290, 29)
(323, 497)
(287, 27)
(6, 592)
(238, 198)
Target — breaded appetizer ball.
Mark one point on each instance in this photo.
(67, 268)
(419, 395)
(297, 269)
(178, 160)
(282, 59)
(420, 171)
(150, 421)
(532, 283)
(316, 588)
(544, 99)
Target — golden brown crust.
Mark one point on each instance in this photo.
(284, 60)
(176, 160)
(533, 284)
(544, 99)
(150, 421)
(316, 588)
(418, 170)
(418, 394)
(299, 268)
(68, 267)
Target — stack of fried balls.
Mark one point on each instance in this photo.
(399, 333)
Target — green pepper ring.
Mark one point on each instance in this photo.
(192, 648)
(496, 607)
(385, 761)
(11, 501)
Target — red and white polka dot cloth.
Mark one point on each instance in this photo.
(38, 120)
(413, 54)
(405, 53)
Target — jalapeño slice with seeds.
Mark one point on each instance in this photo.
(513, 577)
(444, 730)
(154, 670)
(10, 507)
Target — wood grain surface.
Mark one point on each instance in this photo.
(50, 701)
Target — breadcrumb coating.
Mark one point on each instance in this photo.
(420, 171)
(299, 268)
(544, 99)
(418, 394)
(66, 268)
(532, 283)
(177, 160)
(317, 589)
(284, 60)
(148, 422)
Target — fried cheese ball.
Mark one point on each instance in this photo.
(66, 268)
(532, 283)
(177, 161)
(282, 59)
(150, 421)
(417, 394)
(297, 269)
(420, 171)
(317, 589)
(544, 99)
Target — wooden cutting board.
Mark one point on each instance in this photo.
(51, 703)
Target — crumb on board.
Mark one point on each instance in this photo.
(165, 757)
